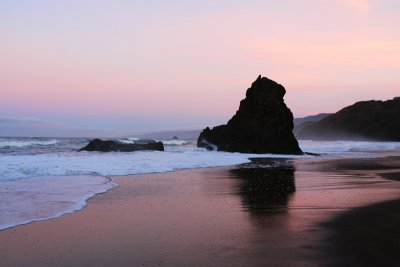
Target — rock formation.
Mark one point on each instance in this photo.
(366, 120)
(110, 145)
(263, 124)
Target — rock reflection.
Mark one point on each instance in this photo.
(265, 185)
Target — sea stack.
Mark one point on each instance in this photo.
(263, 124)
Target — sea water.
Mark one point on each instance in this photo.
(44, 178)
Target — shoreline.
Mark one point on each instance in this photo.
(61, 213)
(367, 235)
(63, 195)
(113, 185)
(204, 216)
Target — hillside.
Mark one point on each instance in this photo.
(366, 120)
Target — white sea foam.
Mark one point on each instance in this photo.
(354, 148)
(42, 198)
(82, 163)
(27, 143)
(128, 140)
(174, 142)
(46, 185)
(174, 158)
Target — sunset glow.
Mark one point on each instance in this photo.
(143, 65)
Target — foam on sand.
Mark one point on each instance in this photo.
(41, 198)
(47, 185)
(44, 186)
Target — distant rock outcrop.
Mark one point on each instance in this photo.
(301, 123)
(110, 145)
(263, 124)
(367, 120)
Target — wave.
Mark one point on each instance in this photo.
(62, 183)
(114, 163)
(174, 157)
(128, 140)
(133, 140)
(27, 143)
(349, 147)
(54, 197)
(174, 142)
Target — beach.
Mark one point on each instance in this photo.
(200, 133)
(293, 213)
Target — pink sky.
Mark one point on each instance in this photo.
(182, 64)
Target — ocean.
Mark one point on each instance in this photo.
(44, 178)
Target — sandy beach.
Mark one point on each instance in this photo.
(295, 214)
(200, 133)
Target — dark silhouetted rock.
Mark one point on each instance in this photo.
(110, 145)
(367, 120)
(263, 124)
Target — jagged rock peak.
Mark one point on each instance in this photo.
(263, 123)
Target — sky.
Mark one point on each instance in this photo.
(157, 65)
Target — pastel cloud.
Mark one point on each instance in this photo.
(360, 5)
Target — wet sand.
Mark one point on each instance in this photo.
(302, 212)
(367, 236)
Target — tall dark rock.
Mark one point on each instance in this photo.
(366, 120)
(263, 124)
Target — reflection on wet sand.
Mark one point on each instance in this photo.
(367, 236)
(265, 190)
(285, 199)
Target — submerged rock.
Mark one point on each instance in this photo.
(263, 124)
(110, 145)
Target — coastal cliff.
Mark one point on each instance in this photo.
(366, 120)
